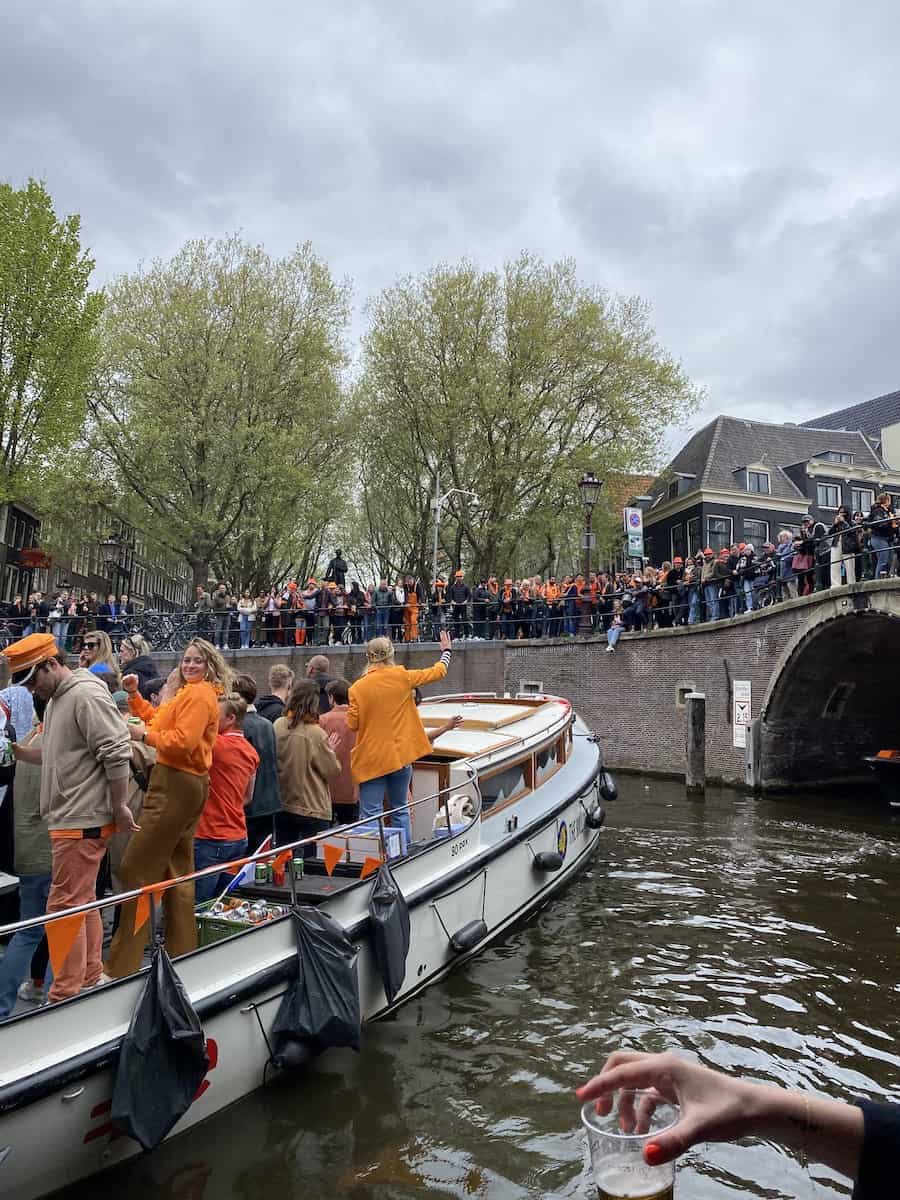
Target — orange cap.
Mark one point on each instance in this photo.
(29, 652)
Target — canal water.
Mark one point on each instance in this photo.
(759, 935)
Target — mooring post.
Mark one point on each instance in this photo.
(695, 741)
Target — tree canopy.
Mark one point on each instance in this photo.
(48, 340)
(509, 384)
(218, 410)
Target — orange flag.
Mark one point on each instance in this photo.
(142, 906)
(369, 866)
(332, 855)
(281, 860)
(61, 937)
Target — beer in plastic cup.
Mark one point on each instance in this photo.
(617, 1142)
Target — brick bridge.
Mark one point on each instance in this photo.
(823, 674)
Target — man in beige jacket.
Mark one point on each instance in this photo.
(85, 757)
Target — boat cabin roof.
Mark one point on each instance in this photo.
(489, 723)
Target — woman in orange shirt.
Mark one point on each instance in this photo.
(411, 611)
(389, 731)
(183, 732)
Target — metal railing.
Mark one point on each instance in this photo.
(153, 891)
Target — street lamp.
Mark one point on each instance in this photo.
(589, 486)
(436, 504)
(110, 552)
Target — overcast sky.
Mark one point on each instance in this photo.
(735, 164)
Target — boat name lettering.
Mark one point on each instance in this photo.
(576, 826)
(457, 847)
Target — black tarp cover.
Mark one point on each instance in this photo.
(322, 1006)
(163, 1058)
(389, 917)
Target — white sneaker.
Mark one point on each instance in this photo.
(28, 991)
(609, 649)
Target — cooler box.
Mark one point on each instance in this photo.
(334, 840)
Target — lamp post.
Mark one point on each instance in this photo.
(111, 554)
(436, 505)
(589, 486)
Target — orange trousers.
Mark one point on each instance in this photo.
(76, 862)
(411, 620)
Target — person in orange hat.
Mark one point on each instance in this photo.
(84, 792)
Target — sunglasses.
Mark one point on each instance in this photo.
(91, 645)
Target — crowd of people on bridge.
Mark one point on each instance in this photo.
(707, 585)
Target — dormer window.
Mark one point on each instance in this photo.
(836, 456)
(758, 481)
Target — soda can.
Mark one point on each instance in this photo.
(261, 873)
(297, 868)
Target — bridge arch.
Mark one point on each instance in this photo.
(833, 695)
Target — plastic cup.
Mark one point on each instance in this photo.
(618, 1167)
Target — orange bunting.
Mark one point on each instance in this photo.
(61, 937)
(281, 860)
(370, 865)
(142, 906)
(332, 855)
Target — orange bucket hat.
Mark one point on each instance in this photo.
(28, 653)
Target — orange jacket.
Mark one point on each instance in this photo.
(182, 731)
(551, 592)
(389, 730)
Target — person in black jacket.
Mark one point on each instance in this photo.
(266, 802)
(134, 659)
(882, 533)
(336, 571)
(481, 599)
(843, 548)
(805, 549)
(459, 602)
(281, 680)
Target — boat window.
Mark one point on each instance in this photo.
(497, 788)
(546, 760)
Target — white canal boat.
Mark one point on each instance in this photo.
(533, 776)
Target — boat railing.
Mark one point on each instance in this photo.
(154, 890)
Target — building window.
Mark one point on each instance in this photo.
(673, 489)
(829, 495)
(677, 540)
(718, 532)
(838, 456)
(758, 481)
(756, 532)
(694, 533)
(862, 499)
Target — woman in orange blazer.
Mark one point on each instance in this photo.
(390, 735)
(182, 731)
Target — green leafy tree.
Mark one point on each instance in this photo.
(218, 409)
(48, 339)
(508, 384)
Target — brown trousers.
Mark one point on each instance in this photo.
(162, 849)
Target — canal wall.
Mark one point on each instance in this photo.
(794, 695)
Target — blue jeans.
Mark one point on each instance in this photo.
(207, 852)
(747, 585)
(60, 630)
(613, 634)
(711, 593)
(220, 636)
(245, 631)
(882, 548)
(371, 798)
(33, 891)
(382, 620)
(571, 618)
(693, 606)
(368, 624)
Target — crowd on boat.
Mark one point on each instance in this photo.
(117, 778)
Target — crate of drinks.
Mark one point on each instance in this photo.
(367, 844)
(339, 840)
(224, 918)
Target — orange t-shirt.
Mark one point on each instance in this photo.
(234, 762)
(343, 789)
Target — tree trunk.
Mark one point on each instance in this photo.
(199, 564)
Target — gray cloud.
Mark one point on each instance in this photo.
(735, 165)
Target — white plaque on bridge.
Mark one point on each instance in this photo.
(742, 713)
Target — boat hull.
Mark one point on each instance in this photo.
(54, 1112)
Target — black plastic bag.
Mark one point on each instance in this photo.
(321, 1008)
(163, 1058)
(389, 916)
